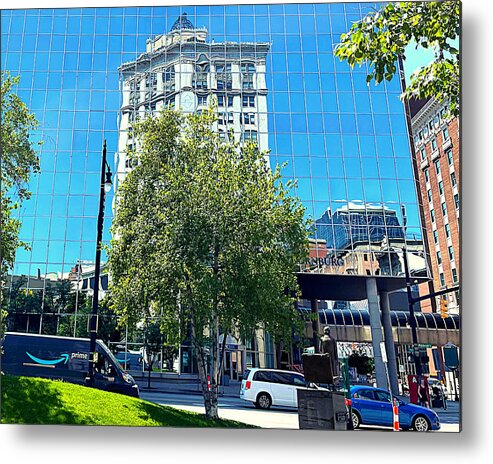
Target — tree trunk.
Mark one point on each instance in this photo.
(211, 411)
(149, 370)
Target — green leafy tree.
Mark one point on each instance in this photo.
(79, 308)
(362, 362)
(207, 238)
(381, 39)
(18, 161)
(153, 344)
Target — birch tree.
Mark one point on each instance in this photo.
(207, 237)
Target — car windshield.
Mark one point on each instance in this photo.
(110, 355)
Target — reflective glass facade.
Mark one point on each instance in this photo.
(86, 73)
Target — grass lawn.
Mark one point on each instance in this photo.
(26, 400)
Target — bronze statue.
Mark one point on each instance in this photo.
(328, 346)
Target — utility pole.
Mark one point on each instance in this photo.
(410, 302)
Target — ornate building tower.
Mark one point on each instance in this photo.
(182, 70)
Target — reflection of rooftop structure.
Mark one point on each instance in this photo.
(363, 239)
(357, 223)
(82, 278)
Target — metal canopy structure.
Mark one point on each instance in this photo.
(347, 287)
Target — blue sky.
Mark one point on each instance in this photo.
(419, 57)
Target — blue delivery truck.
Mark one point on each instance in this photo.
(63, 358)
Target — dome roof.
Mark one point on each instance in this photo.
(182, 23)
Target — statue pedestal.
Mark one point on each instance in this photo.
(321, 410)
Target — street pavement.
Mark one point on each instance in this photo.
(187, 396)
(229, 408)
(450, 417)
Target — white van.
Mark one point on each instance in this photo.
(271, 387)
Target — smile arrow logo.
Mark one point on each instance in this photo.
(47, 362)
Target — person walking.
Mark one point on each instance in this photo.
(443, 394)
(423, 394)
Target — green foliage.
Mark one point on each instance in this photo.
(18, 162)
(37, 401)
(203, 227)
(362, 362)
(59, 304)
(381, 39)
(206, 237)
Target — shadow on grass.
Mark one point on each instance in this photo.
(33, 401)
(171, 417)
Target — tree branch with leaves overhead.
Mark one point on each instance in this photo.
(381, 38)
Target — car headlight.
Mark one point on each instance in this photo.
(128, 378)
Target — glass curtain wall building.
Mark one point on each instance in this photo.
(88, 73)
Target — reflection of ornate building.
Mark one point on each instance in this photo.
(182, 70)
(436, 140)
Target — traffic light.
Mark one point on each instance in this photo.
(443, 308)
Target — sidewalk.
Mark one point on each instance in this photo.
(184, 387)
(451, 415)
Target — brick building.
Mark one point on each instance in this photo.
(437, 147)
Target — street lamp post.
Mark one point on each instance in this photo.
(105, 187)
(412, 320)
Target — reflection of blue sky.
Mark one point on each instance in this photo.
(342, 140)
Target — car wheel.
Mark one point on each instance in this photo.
(421, 424)
(264, 401)
(356, 419)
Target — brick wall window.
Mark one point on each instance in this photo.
(444, 208)
(449, 157)
(440, 187)
(437, 166)
(456, 201)
(453, 179)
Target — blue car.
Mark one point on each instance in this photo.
(373, 406)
